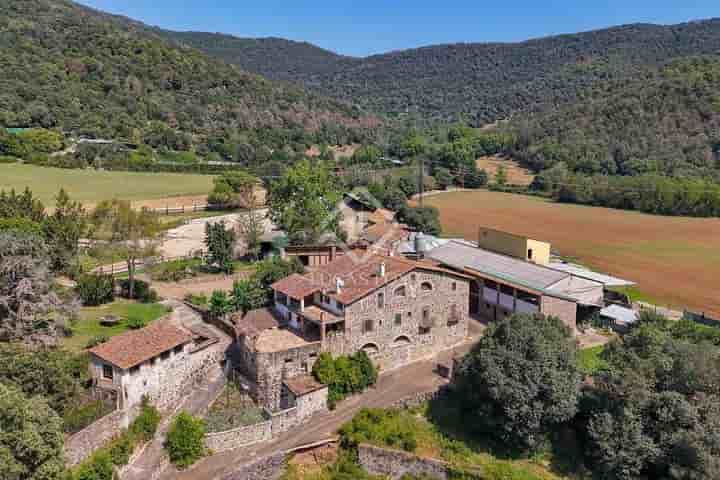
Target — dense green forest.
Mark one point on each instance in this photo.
(84, 72)
(665, 121)
(479, 83)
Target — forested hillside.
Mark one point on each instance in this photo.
(274, 58)
(479, 83)
(665, 121)
(72, 68)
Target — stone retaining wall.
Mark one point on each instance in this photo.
(239, 437)
(82, 444)
(420, 398)
(270, 467)
(394, 464)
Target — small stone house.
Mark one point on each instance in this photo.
(160, 361)
(396, 310)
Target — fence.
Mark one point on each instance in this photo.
(701, 318)
(120, 268)
(168, 210)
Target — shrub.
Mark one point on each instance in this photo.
(77, 418)
(185, 440)
(344, 375)
(380, 427)
(136, 323)
(96, 340)
(200, 300)
(175, 270)
(95, 289)
(99, 467)
(121, 449)
(142, 291)
(6, 159)
(145, 425)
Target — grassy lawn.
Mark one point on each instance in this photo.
(590, 361)
(88, 325)
(90, 186)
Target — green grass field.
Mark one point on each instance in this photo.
(90, 186)
(88, 325)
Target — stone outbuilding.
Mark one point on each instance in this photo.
(160, 361)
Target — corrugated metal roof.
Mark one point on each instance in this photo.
(579, 271)
(620, 314)
(465, 255)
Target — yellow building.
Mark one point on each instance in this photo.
(513, 245)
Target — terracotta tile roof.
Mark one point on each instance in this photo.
(385, 233)
(361, 278)
(255, 321)
(295, 286)
(320, 315)
(303, 385)
(279, 340)
(136, 346)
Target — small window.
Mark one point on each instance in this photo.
(339, 306)
(530, 253)
(368, 326)
(152, 360)
(398, 319)
(178, 349)
(165, 355)
(400, 291)
(409, 314)
(413, 278)
(288, 360)
(454, 286)
(134, 370)
(426, 287)
(381, 300)
(108, 372)
(426, 314)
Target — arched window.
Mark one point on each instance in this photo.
(426, 287)
(401, 291)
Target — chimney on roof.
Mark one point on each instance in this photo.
(381, 270)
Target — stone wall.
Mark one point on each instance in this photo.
(82, 444)
(311, 403)
(394, 463)
(392, 343)
(270, 467)
(565, 310)
(420, 398)
(274, 367)
(239, 437)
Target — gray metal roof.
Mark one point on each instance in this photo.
(579, 271)
(620, 314)
(465, 255)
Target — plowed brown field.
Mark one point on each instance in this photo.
(674, 260)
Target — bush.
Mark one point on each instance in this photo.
(142, 292)
(379, 427)
(6, 159)
(200, 300)
(121, 449)
(99, 467)
(146, 424)
(95, 290)
(344, 375)
(136, 323)
(77, 418)
(96, 340)
(175, 270)
(185, 440)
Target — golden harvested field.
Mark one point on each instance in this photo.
(674, 260)
(92, 186)
(516, 175)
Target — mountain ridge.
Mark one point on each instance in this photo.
(477, 81)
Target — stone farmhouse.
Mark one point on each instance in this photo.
(161, 361)
(394, 309)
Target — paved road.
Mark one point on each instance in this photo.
(393, 386)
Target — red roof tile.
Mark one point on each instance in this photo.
(255, 321)
(136, 346)
(295, 286)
